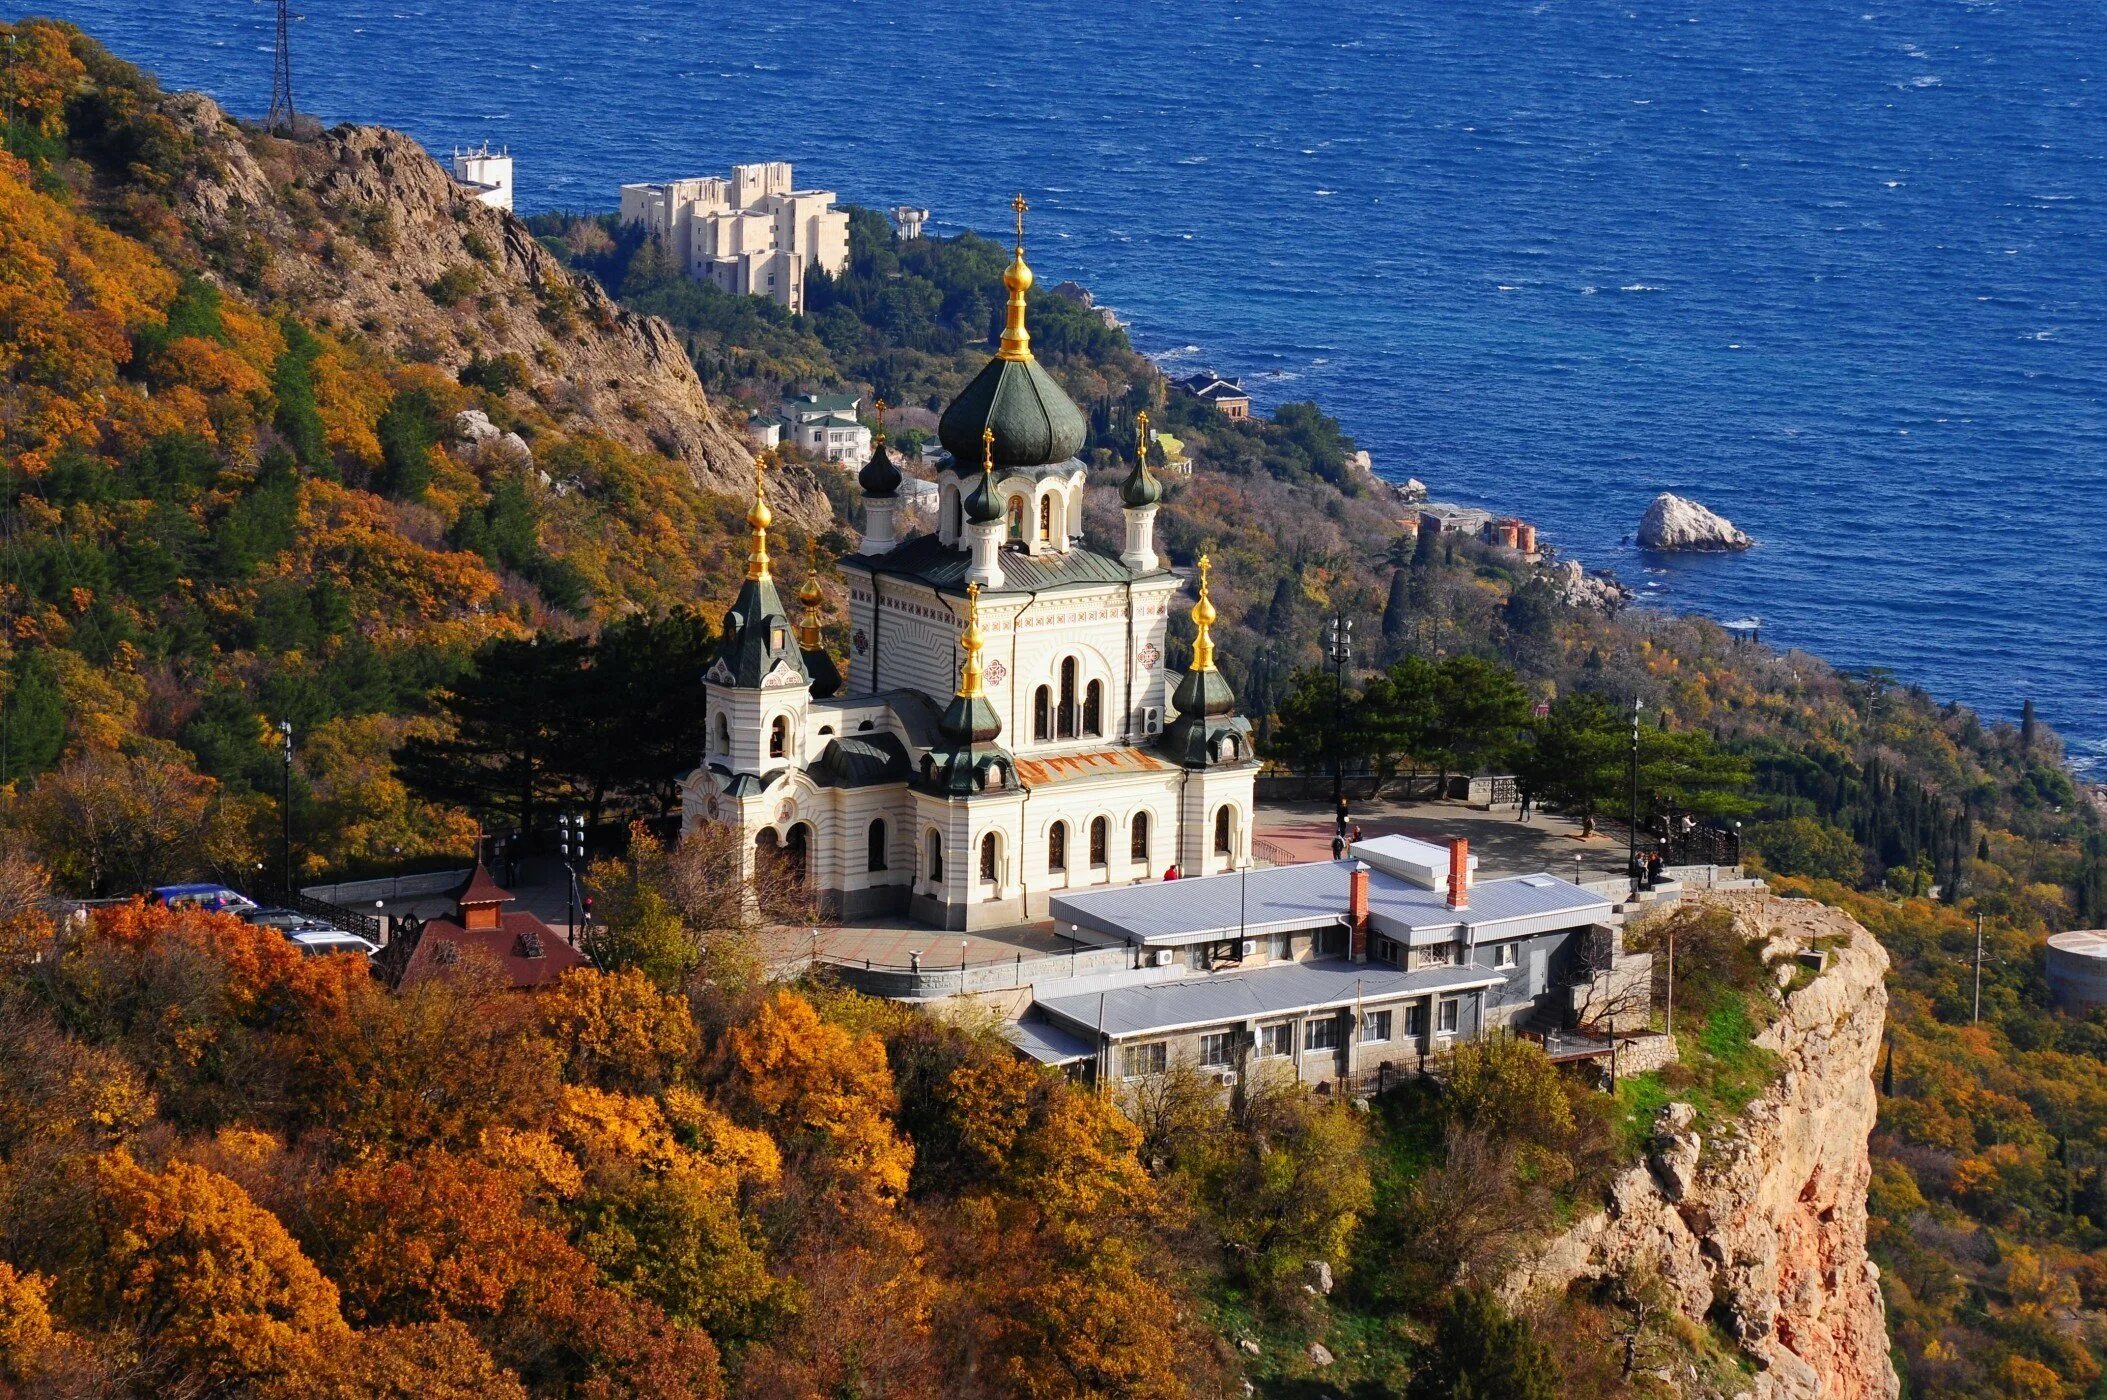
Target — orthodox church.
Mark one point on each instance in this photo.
(1006, 730)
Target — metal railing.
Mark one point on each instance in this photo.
(349, 920)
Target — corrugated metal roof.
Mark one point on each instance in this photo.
(1290, 989)
(1313, 895)
(1048, 1044)
(1097, 763)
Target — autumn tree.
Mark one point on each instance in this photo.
(219, 1292)
(108, 822)
(1480, 1352)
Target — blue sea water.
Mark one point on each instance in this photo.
(1838, 270)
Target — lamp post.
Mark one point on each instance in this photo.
(1632, 831)
(285, 808)
(1339, 651)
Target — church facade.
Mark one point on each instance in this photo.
(1005, 730)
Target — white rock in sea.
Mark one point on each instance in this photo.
(1674, 523)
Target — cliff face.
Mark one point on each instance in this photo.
(361, 228)
(1763, 1229)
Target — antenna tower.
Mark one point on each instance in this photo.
(282, 74)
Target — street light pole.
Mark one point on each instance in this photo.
(1339, 644)
(1632, 831)
(285, 808)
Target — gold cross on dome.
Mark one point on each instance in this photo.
(1020, 206)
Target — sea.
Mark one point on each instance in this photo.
(1836, 270)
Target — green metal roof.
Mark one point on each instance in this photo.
(928, 559)
(1034, 421)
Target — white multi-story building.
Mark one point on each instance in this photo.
(751, 234)
(1007, 730)
(488, 174)
(826, 426)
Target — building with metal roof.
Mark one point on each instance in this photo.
(1332, 969)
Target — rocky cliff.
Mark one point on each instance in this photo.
(1762, 1229)
(360, 228)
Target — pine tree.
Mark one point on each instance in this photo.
(2029, 729)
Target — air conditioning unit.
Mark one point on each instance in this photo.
(1227, 1078)
(1251, 947)
(1162, 957)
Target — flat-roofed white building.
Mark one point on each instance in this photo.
(752, 234)
(487, 173)
(1332, 970)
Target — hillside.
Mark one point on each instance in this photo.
(235, 490)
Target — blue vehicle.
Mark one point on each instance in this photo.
(217, 898)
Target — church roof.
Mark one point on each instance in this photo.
(1032, 417)
(862, 760)
(1097, 763)
(757, 635)
(928, 559)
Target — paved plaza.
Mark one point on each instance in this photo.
(1294, 831)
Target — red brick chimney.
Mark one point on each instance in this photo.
(1357, 912)
(1459, 874)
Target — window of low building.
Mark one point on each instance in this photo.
(1219, 1049)
(1321, 1034)
(1450, 1013)
(1137, 1061)
(1503, 954)
(1375, 1025)
(1434, 955)
(1415, 1020)
(1387, 950)
(1277, 1042)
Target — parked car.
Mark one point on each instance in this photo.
(286, 920)
(214, 897)
(316, 942)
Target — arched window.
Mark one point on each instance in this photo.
(936, 856)
(1057, 847)
(1046, 519)
(1100, 841)
(989, 870)
(720, 734)
(1138, 841)
(1016, 515)
(1094, 709)
(778, 736)
(1042, 714)
(1064, 718)
(1222, 845)
(874, 853)
(951, 521)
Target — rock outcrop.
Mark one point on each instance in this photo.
(1672, 523)
(1577, 588)
(1762, 1228)
(361, 229)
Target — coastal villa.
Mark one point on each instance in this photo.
(1225, 394)
(908, 221)
(826, 427)
(752, 234)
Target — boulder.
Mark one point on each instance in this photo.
(1577, 588)
(473, 425)
(1672, 523)
(1320, 1277)
(1320, 1354)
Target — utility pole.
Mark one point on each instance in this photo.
(282, 114)
(1632, 831)
(1671, 979)
(1977, 1017)
(285, 808)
